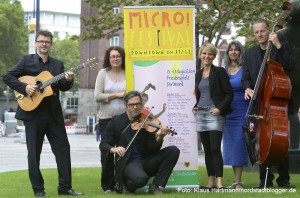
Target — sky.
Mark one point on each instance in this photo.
(64, 6)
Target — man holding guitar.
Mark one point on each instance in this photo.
(45, 119)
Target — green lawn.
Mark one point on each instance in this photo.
(16, 184)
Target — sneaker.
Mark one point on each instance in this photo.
(153, 189)
(108, 191)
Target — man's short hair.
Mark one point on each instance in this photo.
(44, 33)
(132, 94)
(265, 21)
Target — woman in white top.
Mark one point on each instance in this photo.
(109, 91)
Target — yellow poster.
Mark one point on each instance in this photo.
(159, 34)
(160, 54)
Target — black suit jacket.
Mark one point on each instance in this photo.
(252, 64)
(115, 135)
(220, 88)
(253, 60)
(29, 66)
(290, 34)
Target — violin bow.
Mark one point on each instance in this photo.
(133, 138)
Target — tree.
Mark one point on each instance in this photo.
(13, 34)
(211, 17)
(67, 50)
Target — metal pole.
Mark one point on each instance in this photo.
(33, 14)
(37, 21)
(7, 96)
(89, 46)
(37, 25)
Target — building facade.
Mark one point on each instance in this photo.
(62, 18)
(89, 49)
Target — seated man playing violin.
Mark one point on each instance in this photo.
(139, 155)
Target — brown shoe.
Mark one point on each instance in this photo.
(153, 189)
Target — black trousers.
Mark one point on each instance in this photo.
(160, 165)
(107, 162)
(55, 131)
(211, 141)
(283, 172)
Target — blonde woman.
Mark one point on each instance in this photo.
(214, 95)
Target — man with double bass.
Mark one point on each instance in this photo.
(253, 59)
(137, 157)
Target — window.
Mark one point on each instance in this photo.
(116, 10)
(114, 41)
(228, 26)
(66, 20)
(51, 19)
(55, 33)
(221, 58)
(72, 103)
(26, 18)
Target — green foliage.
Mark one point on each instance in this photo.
(67, 50)
(13, 34)
(211, 18)
(106, 24)
(16, 184)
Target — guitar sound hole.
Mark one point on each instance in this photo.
(39, 84)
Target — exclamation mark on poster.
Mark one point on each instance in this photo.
(146, 19)
(158, 31)
(188, 19)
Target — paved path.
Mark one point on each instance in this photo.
(84, 153)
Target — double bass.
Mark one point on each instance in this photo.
(267, 134)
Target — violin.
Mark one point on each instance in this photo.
(148, 123)
(145, 121)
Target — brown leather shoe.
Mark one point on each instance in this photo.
(153, 189)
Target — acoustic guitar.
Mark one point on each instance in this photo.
(43, 82)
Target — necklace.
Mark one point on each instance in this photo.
(206, 71)
(233, 70)
(117, 76)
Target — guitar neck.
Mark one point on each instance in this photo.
(62, 75)
(52, 80)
